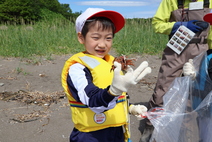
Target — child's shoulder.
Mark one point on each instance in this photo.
(76, 55)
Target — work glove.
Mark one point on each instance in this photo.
(139, 111)
(189, 70)
(193, 27)
(121, 83)
(202, 24)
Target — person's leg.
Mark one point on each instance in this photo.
(169, 70)
(147, 132)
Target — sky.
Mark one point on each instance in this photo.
(129, 9)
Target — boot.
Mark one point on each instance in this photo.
(148, 130)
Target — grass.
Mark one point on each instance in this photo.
(59, 37)
(138, 37)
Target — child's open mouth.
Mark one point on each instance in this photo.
(100, 51)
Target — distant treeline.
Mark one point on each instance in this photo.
(28, 11)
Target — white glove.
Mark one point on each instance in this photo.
(121, 83)
(139, 111)
(188, 69)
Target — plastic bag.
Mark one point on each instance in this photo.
(186, 115)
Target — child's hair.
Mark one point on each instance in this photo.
(104, 24)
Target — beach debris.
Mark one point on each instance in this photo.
(38, 98)
(42, 75)
(29, 117)
(124, 61)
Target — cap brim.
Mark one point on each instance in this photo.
(208, 18)
(114, 16)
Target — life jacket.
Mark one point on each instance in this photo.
(84, 119)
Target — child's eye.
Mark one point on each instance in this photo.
(95, 38)
(109, 38)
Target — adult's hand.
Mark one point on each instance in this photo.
(193, 27)
(188, 69)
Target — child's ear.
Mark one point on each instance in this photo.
(80, 38)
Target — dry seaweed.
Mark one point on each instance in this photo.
(124, 61)
(33, 116)
(38, 98)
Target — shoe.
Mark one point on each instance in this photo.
(147, 133)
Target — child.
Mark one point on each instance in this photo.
(95, 92)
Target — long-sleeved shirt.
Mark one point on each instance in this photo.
(83, 90)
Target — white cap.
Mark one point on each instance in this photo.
(115, 17)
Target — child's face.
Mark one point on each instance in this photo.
(97, 41)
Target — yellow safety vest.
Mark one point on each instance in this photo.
(84, 119)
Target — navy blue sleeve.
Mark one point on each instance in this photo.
(83, 90)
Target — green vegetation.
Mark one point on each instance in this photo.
(44, 27)
(58, 36)
(19, 11)
(138, 37)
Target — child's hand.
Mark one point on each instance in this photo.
(121, 83)
(188, 69)
(138, 110)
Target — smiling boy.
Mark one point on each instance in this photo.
(98, 105)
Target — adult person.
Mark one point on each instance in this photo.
(171, 14)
